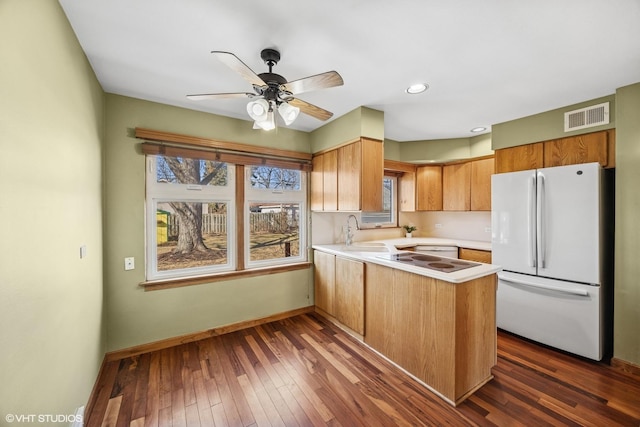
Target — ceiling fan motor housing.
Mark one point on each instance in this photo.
(270, 57)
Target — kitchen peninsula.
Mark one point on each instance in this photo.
(439, 327)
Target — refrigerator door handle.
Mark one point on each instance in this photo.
(531, 222)
(542, 221)
(579, 292)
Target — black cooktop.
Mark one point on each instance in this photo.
(446, 265)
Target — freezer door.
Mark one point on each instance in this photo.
(569, 222)
(513, 221)
(564, 315)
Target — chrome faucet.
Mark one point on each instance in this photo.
(349, 238)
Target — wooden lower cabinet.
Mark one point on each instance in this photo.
(475, 255)
(442, 333)
(349, 294)
(324, 280)
(339, 289)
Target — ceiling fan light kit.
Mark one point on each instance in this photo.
(288, 113)
(272, 91)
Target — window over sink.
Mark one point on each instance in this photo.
(387, 217)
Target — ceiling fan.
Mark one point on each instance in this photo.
(273, 92)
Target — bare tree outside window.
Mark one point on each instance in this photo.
(190, 246)
(275, 178)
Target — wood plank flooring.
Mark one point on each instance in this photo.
(304, 371)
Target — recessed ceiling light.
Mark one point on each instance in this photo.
(478, 129)
(417, 88)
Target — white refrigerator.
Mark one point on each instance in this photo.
(548, 235)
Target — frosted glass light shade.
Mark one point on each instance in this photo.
(288, 113)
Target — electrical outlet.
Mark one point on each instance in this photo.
(487, 229)
(129, 263)
(438, 225)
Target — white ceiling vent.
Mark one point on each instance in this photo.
(595, 115)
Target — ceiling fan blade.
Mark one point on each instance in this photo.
(319, 81)
(203, 96)
(310, 109)
(233, 62)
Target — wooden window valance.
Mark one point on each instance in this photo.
(176, 145)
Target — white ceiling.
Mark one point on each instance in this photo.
(486, 61)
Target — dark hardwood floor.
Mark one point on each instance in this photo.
(305, 371)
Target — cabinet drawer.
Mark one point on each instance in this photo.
(475, 255)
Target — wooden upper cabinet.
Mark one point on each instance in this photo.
(429, 188)
(520, 158)
(324, 182)
(348, 178)
(349, 159)
(330, 181)
(372, 174)
(360, 172)
(481, 171)
(456, 184)
(317, 183)
(407, 193)
(406, 183)
(587, 148)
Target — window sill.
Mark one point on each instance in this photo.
(154, 285)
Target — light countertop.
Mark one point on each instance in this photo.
(376, 251)
(404, 242)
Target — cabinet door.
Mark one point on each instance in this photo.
(349, 294)
(349, 177)
(407, 193)
(523, 157)
(330, 180)
(324, 275)
(429, 188)
(456, 184)
(372, 173)
(481, 171)
(317, 183)
(587, 148)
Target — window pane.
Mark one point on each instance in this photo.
(275, 178)
(274, 231)
(179, 170)
(387, 215)
(191, 235)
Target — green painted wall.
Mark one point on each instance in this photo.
(392, 149)
(372, 123)
(545, 126)
(362, 121)
(480, 146)
(52, 335)
(136, 317)
(627, 268)
(438, 150)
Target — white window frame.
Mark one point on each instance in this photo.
(394, 208)
(259, 195)
(157, 192)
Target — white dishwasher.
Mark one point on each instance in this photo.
(436, 250)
